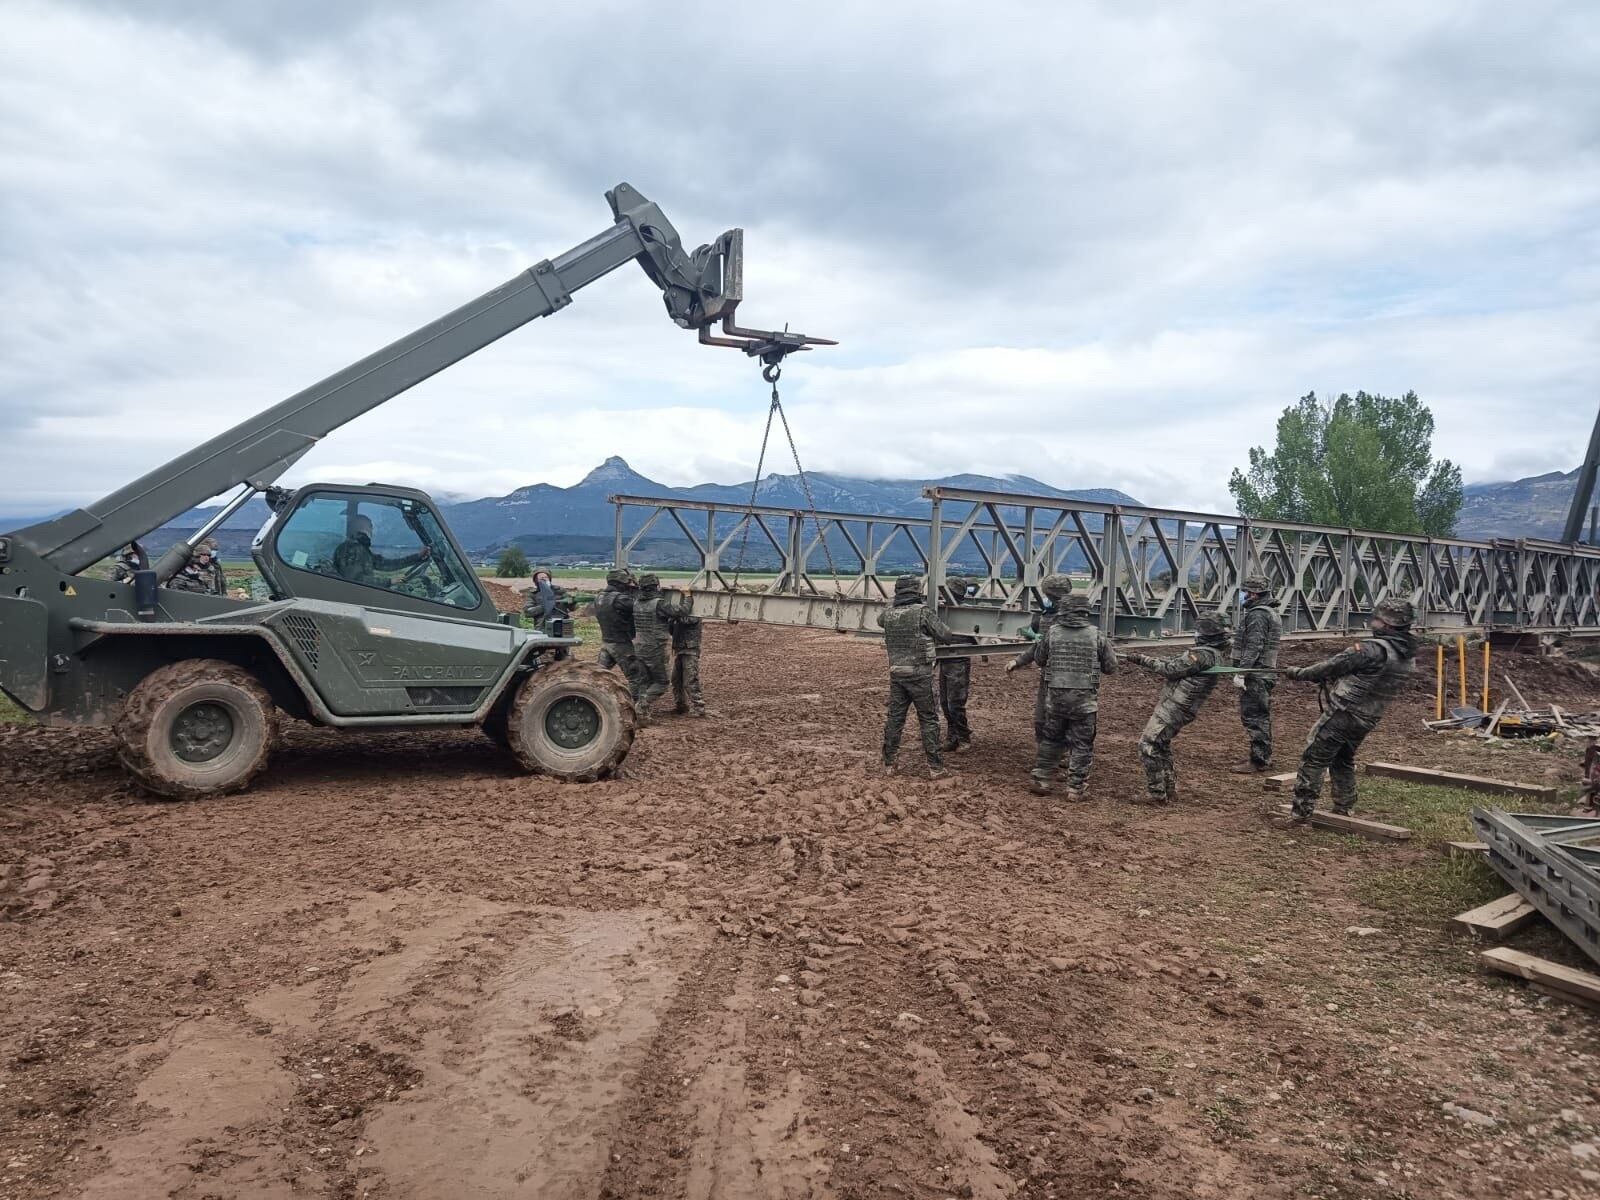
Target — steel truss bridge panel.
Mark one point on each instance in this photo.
(1553, 862)
(1148, 572)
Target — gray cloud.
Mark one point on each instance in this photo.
(1098, 245)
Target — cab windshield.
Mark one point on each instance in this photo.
(384, 542)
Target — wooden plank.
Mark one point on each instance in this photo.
(1542, 971)
(1376, 830)
(1522, 701)
(1469, 783)
(1555, 993)
(1278, 783)
(1494, 721)
(1497, 918)
(1464, 849)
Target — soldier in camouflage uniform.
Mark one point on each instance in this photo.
(955, 686)
(1187, 687)
(910, 631)
(686, 694)
(653, 613)
(127, 563)
(1039, 627)
(191, 579)
(1255, 646)
(1073, 656)
(613, 608)
(1365, 678)
(208, 559)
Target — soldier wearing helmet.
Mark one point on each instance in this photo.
(955, 680)
(1365, 679)
(1255, 647)
(1187, 686)
(1072, 656)
(128, 562)
(208, 559)
(613, 608)
(910, 634)
(355, 559)
(653, 614)
(1053, 588)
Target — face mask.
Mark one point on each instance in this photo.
(1244, 597)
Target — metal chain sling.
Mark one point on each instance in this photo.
(771, 374)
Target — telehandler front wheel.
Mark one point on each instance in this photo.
(197, 728)
(571, 720)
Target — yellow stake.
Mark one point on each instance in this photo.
(1485, 705)
(1461, 655)
(1438, 681)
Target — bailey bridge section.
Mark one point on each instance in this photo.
(1147, 571)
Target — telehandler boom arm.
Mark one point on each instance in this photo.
(699, 289)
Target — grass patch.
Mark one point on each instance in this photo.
(1436, 889)
(12, 714)
(1431, 892)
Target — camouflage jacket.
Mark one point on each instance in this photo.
(358, 562)
(1187, 685)
(1368, 676)
(686, 634)
(191, 579)
(1255, 644)
(1038, 627)
(123, 571)
(613, 608)
(910, 632)
(653, 614)
(1073, 656)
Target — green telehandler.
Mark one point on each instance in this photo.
(375, 619)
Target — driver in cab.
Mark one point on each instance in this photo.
(357, 561)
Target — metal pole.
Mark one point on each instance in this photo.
(1485, 704)
(619, 556)
(935, 555)
(1583, 492)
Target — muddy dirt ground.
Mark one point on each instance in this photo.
(754, 968)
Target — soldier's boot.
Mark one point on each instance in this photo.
(1039, 787)
(1075, 793)
(950, 744)
(1344, 805)
(889, 768)
(1250, 767)
(938, 772)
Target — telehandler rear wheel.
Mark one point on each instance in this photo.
(197, 728)
(571, 720)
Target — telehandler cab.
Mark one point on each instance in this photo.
(376, 620)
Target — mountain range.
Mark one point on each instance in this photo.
(551, 522)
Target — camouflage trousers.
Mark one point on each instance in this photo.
(1255, 711)
(905, 693)
(621, 656)
(686, 694)
(955, 686)
(1155, 748)
(1070, 717)
(1330, 750)
(1039, 703)
(655, 676)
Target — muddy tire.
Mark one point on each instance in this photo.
(572, 721)
(197, 728)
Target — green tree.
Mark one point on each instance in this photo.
(1362, 462)
(513, 563)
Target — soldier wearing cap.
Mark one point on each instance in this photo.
(910, 632)
(1073, 656)
(613, 608)
(1365, 680)
(1187, 686)
(1255, 647)
(653, 614)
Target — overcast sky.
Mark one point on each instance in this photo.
(1099, 244)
